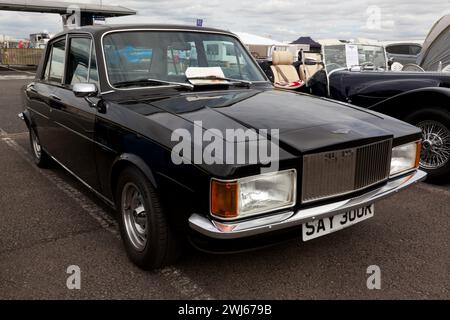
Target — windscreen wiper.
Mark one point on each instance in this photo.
(231, 81)
(144, 82)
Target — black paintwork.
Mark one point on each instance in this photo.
(367, 88)
(134, 127)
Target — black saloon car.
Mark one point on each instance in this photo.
(106, 104)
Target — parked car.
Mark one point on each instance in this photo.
(341, 55)
(404, 53)
(359, 76)
(420, 98)
(114, 132)
(435, 55)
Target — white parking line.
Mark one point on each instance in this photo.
(175, 277)
(16, 77)
(17, 70)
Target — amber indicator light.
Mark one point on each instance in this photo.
(224, 199)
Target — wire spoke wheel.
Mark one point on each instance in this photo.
(435, 144)
(135, 216)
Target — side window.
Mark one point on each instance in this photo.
(54, 71)
(415, 50)
(82, 64)
(398, 49)
(78, 64)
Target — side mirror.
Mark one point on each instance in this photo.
(84, 90)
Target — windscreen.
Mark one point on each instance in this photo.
(166, 55)
(339, 56)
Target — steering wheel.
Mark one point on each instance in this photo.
(368, 66)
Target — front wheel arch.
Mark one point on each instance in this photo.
(419, 106)
(403, 105)
(27, 119)
(129, 160)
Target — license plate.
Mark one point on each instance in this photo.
(322, 227)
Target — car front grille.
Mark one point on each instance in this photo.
(336, 173)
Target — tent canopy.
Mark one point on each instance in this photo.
(308, 41)
(254, 40)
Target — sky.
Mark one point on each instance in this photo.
(283, 20)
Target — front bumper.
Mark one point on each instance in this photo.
(219, 230)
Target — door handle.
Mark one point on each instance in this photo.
(55, 97)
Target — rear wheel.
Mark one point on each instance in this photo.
(41, 158)
(146, 234)
(435, 157)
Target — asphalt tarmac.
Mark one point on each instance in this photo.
(49, 222)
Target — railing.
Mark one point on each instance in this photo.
(20, 57)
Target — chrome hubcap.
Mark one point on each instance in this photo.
(435, 144)
(135, 216)
(36, 145)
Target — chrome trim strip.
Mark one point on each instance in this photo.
(107, 92)
(218, 230)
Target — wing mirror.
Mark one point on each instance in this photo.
(84, 90)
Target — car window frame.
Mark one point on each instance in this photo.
(48, 57)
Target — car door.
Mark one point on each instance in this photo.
(75, 117)
(40, 93)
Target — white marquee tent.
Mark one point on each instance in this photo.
(261, 47)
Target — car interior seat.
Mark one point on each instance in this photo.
(285, 74)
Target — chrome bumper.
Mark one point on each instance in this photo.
(220, 230)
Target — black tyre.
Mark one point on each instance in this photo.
(146, 234)
(41, 158)
(435, 157)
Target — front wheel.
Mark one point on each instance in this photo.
(146, 234)
(435, 156)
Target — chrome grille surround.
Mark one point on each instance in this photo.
(336, 173)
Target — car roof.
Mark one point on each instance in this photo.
(403, 44)
(101, 29)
